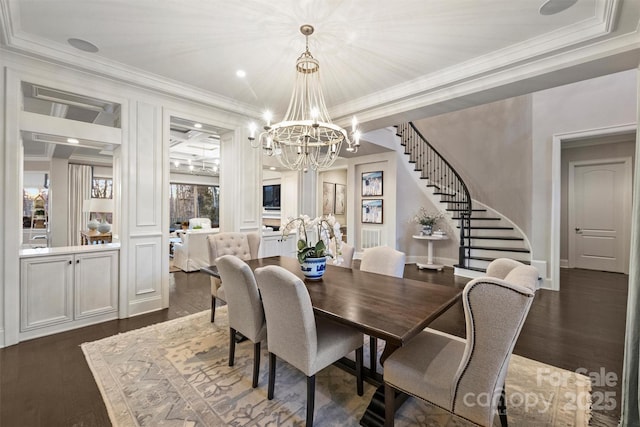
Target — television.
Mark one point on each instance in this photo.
(271, 197)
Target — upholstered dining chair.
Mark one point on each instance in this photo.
(382, 260)
(246, 314)
(347, 255)
(449, 372)
(299, 338)
(243, 245)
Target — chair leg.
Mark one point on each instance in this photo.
(359, 362)
(502, 408)
(311, 398)
(389, 405)
(373, 354)
(272, 375)
(256, 364)
(232, 346)
(213, 308)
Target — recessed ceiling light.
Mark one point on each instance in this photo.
(197, 125)
(72, 141)
(241, 73)
(83, 45)
(551, 7)
(176, 163)
(272, 168)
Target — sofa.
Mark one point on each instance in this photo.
(192, 253)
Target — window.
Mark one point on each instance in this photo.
(102, 188)
(194, 201)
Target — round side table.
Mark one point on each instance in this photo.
(430, 239)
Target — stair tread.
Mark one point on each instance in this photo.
(481, 258)
(479, 219)
(482, 270)
(495, 237)
(481, 227)
(462, 210)
(501, 249)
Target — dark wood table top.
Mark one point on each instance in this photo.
(392, 309)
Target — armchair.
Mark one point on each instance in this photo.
(445, 371)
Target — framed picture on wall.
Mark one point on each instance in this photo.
(328, 197)
(372, 183)
(372, 211)
(341, 199)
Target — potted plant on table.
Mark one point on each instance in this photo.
(313, 256)
(428, 219)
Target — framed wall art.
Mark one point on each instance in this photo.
(328, 197)
(372, 183)
(372, 211)
(341, 199)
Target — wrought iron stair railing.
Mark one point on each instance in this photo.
(443, 178)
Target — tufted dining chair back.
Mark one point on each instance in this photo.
(243, 245)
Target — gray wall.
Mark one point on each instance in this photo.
(490, 147)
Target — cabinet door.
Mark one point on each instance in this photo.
(96, 283)
(269, 246)
(46, 291)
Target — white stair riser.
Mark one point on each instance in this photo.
(484, 253)
(492, 233)
(498, 243)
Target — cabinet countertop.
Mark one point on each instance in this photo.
(65, 250)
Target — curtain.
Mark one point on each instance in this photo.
(79, 191)
(630, 415)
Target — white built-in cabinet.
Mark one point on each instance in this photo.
(64, 291)
(273, 244)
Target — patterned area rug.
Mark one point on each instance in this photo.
(176, 374)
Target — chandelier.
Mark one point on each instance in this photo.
(306, 138)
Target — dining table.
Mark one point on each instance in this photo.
(389, 308)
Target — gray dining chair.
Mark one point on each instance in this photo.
(243, 245)
(449, 372)
(382, 260)
(297, 336)
(246, 314)
(347, 255)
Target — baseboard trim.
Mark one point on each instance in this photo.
(144, 306)
(564, 263)
(2, 338)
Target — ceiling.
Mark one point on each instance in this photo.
(380, 60)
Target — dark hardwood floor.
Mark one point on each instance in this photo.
(46, 381)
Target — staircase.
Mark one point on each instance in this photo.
(484, 234)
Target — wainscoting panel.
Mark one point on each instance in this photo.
(146, 163)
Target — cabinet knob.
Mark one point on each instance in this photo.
(70, 262)
(77, 261)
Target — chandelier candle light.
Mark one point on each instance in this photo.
(306, 138)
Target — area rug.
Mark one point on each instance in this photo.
(176, 373)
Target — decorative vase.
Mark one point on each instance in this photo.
(427, 230)
(104, 227)
(93, 224)
(313, 268)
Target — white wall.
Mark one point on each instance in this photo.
(592, 104)
(142, 181)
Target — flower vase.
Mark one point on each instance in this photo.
(313, 268)
(427, 230)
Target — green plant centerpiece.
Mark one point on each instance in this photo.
(312, 256)
(427, 219)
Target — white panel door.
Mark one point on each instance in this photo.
(599, 201)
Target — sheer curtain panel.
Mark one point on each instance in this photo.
(79, 191)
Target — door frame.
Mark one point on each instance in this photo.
(556, 153)
(624, 231)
